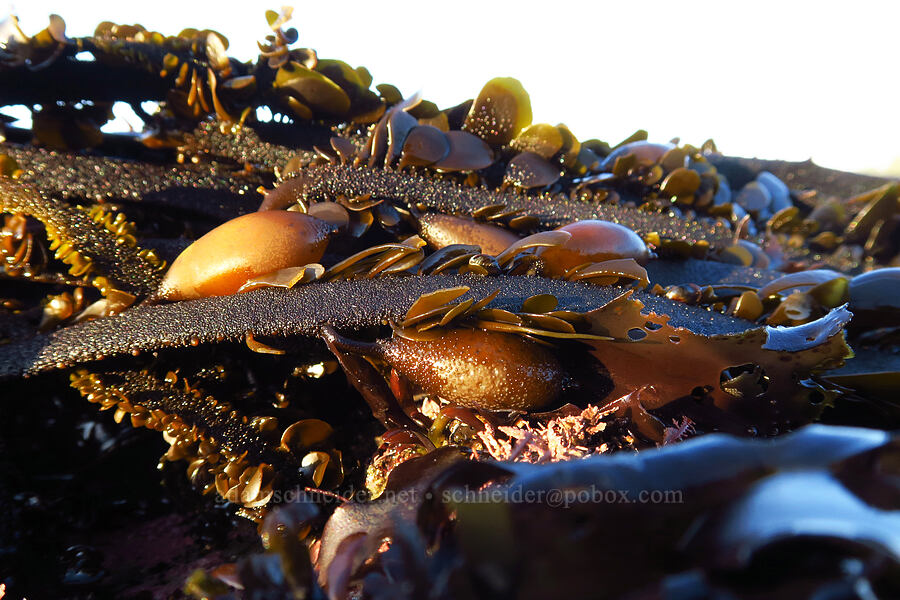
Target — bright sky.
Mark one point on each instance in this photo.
(788, 80)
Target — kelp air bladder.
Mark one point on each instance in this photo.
(221, 261)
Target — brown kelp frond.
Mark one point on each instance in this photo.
(90, 242)
(238, 455)
(726, 504)
(302, 311)
(331, 181)
(217, 192)
(763, 374)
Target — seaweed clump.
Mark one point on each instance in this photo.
(445, 388)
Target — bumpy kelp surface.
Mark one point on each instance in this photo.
(218, 192)
(302, 311)
(438, 352)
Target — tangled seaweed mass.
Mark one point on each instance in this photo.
(400, 351)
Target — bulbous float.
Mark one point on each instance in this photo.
(479, 369)
(221, 261)
(593, 241)
(441, 230)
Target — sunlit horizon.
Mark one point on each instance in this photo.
(771, 80)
